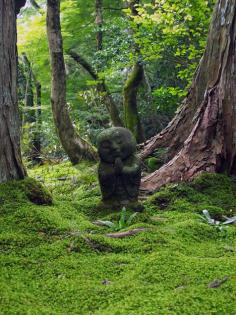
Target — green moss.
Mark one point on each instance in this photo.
(36, 192)
(54, 260)
(23, 190)
(152, 164)
(214, 192)
(157, 160)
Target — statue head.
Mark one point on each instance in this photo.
(116, 142)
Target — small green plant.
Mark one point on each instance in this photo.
(218, 224)
(124, 221)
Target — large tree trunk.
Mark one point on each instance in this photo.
(76, 147)
(10, 156)
(211, 143)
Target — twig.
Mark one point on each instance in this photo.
(126, 233)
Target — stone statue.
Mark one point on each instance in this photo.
(119, 169)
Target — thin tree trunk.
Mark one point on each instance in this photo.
(11, 166)
(134, 79)
(102, 89)
(36, 154)
(99, 23)
(35, 4)
(32, 114)
(132, 119)
(30, 111)
(211, 143)
(76, 147)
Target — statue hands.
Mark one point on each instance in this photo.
(118, 166)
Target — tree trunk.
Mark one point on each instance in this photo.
(35, 4)
(99, 23)
(36, 154)
(134, 79)
(211, 143)
(132, 119)
(102, 89)
(29, 116)
(11, 166)
(76, 147)
(32, 114)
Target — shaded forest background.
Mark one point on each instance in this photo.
(167, 39)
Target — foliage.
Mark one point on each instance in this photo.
(170, 35)
(124, 221)
(174, 30)
(219, 225)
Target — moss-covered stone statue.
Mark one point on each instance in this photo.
(119, 169)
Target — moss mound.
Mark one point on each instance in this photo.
(36, 192)
(23, 190)
(214, 192)
(54, 260)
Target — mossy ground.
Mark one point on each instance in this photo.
(54, 260)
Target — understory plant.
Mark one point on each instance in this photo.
(125, 220)
(218, 224)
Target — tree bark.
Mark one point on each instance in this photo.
(132, 119)
(32, 113)
(36, 154)
(102, 89)
(211, 143)
(99, 23)
(11, 166)
(76, 147)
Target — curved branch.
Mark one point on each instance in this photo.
(101, 88)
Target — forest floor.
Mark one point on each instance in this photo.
(54, 260)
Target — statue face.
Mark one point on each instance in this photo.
(116, 142)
